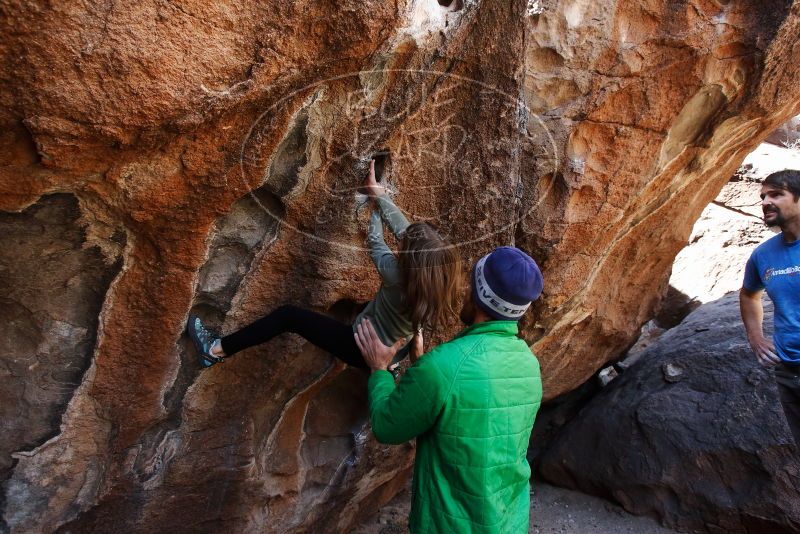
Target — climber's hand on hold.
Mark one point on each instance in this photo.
(371, 186)
(377, 355)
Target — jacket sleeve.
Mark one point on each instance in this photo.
(401, 412)
(385, 262)
(392, 215)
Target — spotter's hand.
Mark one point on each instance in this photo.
(377, 355)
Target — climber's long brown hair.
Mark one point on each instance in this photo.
(431, 271)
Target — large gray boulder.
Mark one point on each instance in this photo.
(692, 433)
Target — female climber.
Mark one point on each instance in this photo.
(419, 288)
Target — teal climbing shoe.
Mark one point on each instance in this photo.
(203, 339)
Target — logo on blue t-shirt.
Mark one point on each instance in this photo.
(769, 273)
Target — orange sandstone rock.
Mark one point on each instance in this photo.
(212, 152)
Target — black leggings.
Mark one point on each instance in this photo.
(326, 333)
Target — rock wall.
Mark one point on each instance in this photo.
(212, 151)
(53, 292)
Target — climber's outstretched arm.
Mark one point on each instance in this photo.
(391, 213)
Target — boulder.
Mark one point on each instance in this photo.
(692, 433)
(213, 149)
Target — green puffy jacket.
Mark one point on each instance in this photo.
(470, 403)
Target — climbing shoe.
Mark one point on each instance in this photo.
(203, 339)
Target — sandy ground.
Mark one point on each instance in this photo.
(553, 511)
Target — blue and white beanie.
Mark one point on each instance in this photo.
(505, 282)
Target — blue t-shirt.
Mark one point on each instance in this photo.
(775, 266)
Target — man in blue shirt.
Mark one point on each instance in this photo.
(775, 266)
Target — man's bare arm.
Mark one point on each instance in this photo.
(753, 318)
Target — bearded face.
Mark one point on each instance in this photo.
(778, 206)
(772, 216)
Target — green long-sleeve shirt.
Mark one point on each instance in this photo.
(387, 311)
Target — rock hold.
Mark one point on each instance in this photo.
(672, 372)
(574, 131)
